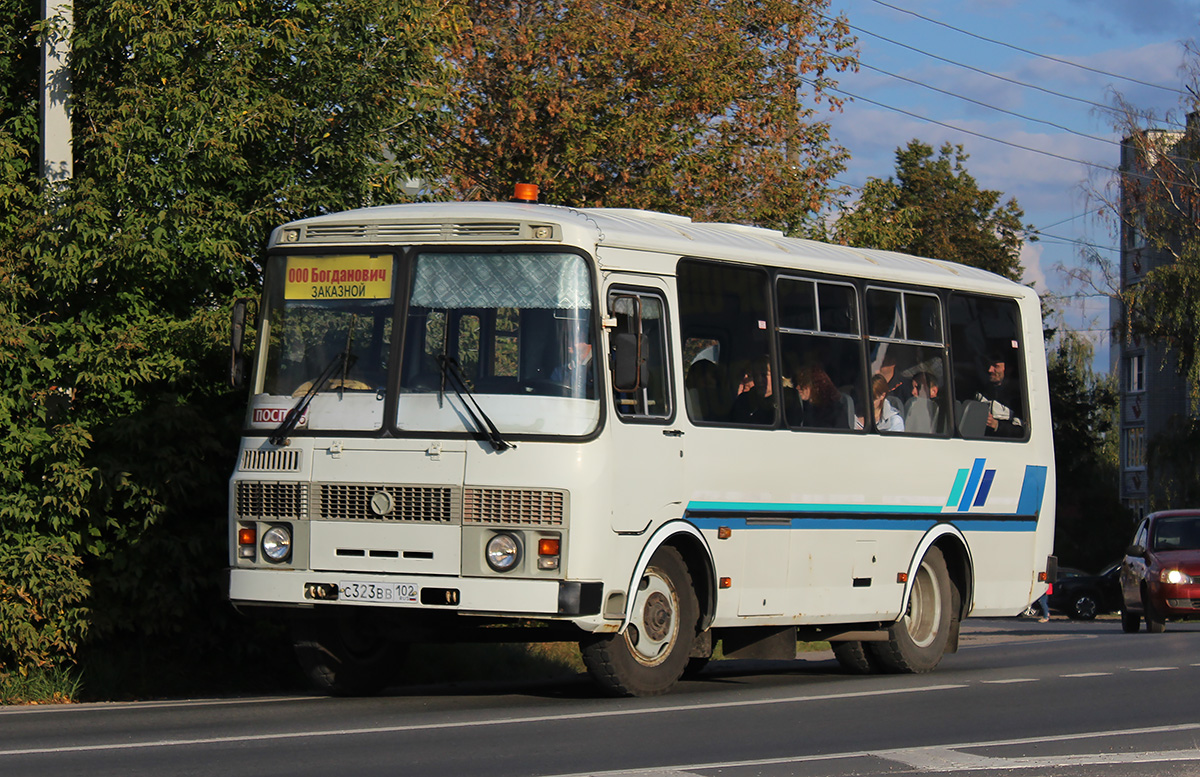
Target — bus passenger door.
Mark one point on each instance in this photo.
(646, 453)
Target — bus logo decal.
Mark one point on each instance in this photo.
(971, 487)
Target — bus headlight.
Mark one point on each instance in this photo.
(503, 552)
(277, 543)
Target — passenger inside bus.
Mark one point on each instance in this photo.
(922, 413)
(885, 417)
(1003, 398)
(819, 403)
(756, 405)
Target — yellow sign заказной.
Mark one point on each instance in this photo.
(355, 276)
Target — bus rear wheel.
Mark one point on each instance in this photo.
(917, 642)
(856, 658)
(651, 654)
(346, 655)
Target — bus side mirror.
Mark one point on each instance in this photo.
(237, 356)
(630, 371)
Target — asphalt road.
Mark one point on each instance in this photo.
(1061, 698)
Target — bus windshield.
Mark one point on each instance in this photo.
(516, 326)
(510, 331)
(328, 327)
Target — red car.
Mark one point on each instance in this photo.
(1160, 576)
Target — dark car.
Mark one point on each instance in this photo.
(1081, 596)
(1160, 576)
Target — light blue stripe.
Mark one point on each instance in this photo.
(810, 507)
(960, 480)
(861, 524)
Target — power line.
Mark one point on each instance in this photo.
(919, 117)
(981, 71)
(1073, 241)
(989, 105)
(1029, 51)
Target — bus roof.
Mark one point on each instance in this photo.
(632, 230)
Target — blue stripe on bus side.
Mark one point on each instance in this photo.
(1007, 523)
(1032, 490)
(972, 485)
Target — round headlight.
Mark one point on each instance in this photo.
(503, 552)
(277, 543)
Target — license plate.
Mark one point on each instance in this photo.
(377, 592)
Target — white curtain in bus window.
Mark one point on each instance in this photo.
(501, 280)
(516, 328)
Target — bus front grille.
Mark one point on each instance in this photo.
(272, 459)
(522, 506)
(271, 500)
(426, 504)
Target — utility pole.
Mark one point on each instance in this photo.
(58, 160)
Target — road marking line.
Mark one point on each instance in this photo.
(1154, 669)
(606, 713)
(939, 759)
(898, 753)
(1088, 674)
(1010, 681)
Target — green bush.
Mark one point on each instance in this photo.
(42, 620)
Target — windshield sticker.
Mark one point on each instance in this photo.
(273, 416)
(341, 277)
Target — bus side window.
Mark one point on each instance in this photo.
(733, 301)
(641, 327)
(989, 378)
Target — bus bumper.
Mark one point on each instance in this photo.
(475, 596)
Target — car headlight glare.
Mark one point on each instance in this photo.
(503, 552)
(277, 543)
(1174, 577)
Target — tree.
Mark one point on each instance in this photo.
(1152, 206)
(1091, 524)
(198, 126)
(933, 207)
(706, 109)
(1157, 206)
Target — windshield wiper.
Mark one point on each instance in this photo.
(458, 382)
(343, 360)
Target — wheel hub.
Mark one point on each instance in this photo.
(656, 616)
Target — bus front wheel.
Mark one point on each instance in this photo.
(917, 641)
(346, 655)
(651, 654)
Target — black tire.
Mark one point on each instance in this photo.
(856, 658)
(917, 642)
(1155, 623)
(1131, 622)
(652, 653)
(1084, 608)
(347, 655)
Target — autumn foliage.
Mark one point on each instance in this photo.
(705, 109)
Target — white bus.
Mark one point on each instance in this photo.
(512, 421)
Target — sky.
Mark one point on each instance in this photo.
(1070, 140)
